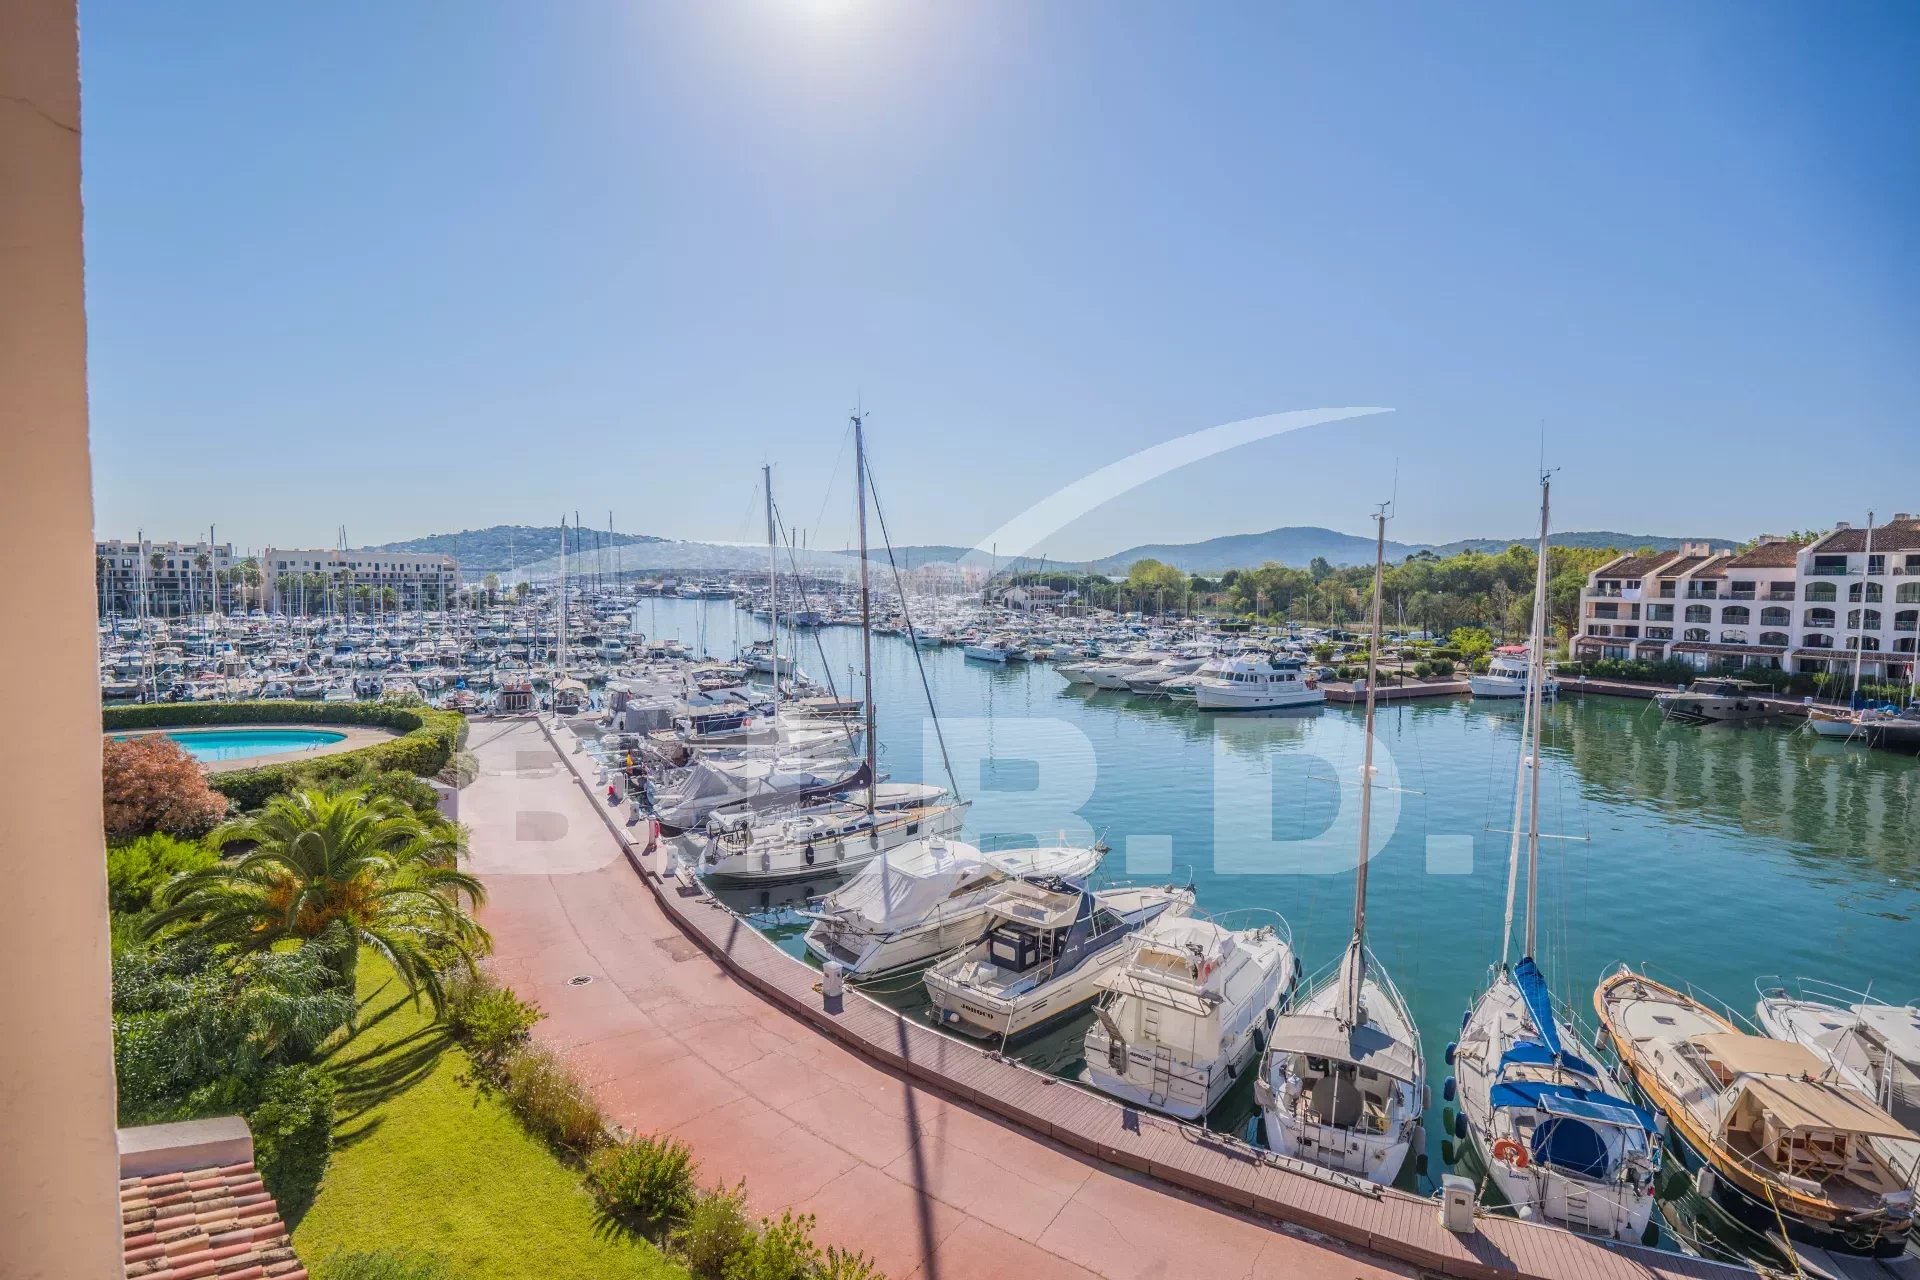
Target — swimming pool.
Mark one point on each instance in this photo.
(240, 744)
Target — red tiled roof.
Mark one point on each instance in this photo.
(1715, 567)
(1768, 555)
(205, 1224)
(1634, 566)
(1897, 535)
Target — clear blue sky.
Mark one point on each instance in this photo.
(411, 267)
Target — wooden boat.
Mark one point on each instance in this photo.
(1774, 1135)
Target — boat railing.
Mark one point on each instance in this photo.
(1814, 990)
(1239, 919)
(1740, 1020)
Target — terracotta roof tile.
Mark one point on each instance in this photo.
(1768, 555)
(1896, 535)
(218, 1223)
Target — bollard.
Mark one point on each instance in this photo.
(832, 980)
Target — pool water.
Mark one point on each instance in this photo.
(207, 745)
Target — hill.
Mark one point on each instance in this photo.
(1298, 546)
(503, 547)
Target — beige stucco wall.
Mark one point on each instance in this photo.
(59, 1205)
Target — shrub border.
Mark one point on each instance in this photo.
(428, 739)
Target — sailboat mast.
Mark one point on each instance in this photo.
(866, 617)
(1536, 708)
(773, 592)
(562, 652)
(1366, 767)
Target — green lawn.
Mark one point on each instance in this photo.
(423, 1162)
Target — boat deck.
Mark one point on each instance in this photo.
(1384, 1221)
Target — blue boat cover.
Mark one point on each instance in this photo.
(1533, 990)
(1572, 1102)
(1533, 1053)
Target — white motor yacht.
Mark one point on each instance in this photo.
(1257, 683)
(921, 900)
(821, 840)
(1048, 945)
(1714, 700)
(1187, 1013)
(1506, 675)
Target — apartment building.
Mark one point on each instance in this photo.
(134, 576)
(419, 579)
(1803, 607)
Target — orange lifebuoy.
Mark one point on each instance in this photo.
(1507, 1151)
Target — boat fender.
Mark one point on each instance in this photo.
(1703, 1182)
(1460, 1126)
(1452, 1048)
(1507, 1151)
(1262, 1093)
(808, 854)
(1448, 1088)
(1448, 1155)
(1259, 1040)
(1272, 1015)
(1466, 1016)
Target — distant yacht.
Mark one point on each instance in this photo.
(1257, 683)
(1506, 675)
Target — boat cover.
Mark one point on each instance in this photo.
(905, 886)
(1539, 1002)
(1572, 1102)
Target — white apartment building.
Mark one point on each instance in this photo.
(420, 579)
(159, 578)
(1801, 607)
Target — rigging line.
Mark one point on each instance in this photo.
(820, 520)
(906, 612)
(806, 603)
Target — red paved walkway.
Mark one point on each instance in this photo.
(930, 1187)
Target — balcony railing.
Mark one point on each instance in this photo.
(1828, 571)
(1780, 593)
(1702, 593)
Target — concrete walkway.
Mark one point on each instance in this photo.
(931, 1188)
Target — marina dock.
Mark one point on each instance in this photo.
(1385, 1223)
(1388, 692)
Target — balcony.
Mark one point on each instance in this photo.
(1702, 591)
(1666, 591)
(1740, 593)
(1828, 571)
(1780, 592)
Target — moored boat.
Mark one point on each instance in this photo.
(1774, 1135)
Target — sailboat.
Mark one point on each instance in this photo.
(1557, 1136)
(841, 834)
(1342, 1082)
(569, 695)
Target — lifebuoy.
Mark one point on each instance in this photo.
(1507, 1151)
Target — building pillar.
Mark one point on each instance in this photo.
(59, 1169)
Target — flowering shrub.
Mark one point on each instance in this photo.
(150, 784)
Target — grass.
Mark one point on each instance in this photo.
(426, 1163)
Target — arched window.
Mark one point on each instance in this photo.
(1873, 593)
(1907, 620)
(1865, 644)
(1907, 593)
(1863, 619)
(1816, 641)
(1697, 634)
(1699, 613)
(1733, 637)
(1820, 592)
(1818, 618)
(1776, 617)
(1736, 615)
(1778, 638)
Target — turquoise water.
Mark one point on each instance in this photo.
(1716, 855)
(241, 744)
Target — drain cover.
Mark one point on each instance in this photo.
(579, 980)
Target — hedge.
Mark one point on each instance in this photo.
(427, 741)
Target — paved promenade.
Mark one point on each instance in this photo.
(930, 1187)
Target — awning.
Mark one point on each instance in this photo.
(1743, 1054)
(1321, 1035)
(1573, 1102)
(1801, 1104)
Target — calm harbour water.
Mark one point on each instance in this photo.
(1713, 855)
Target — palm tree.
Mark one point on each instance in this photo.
(319, 856)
